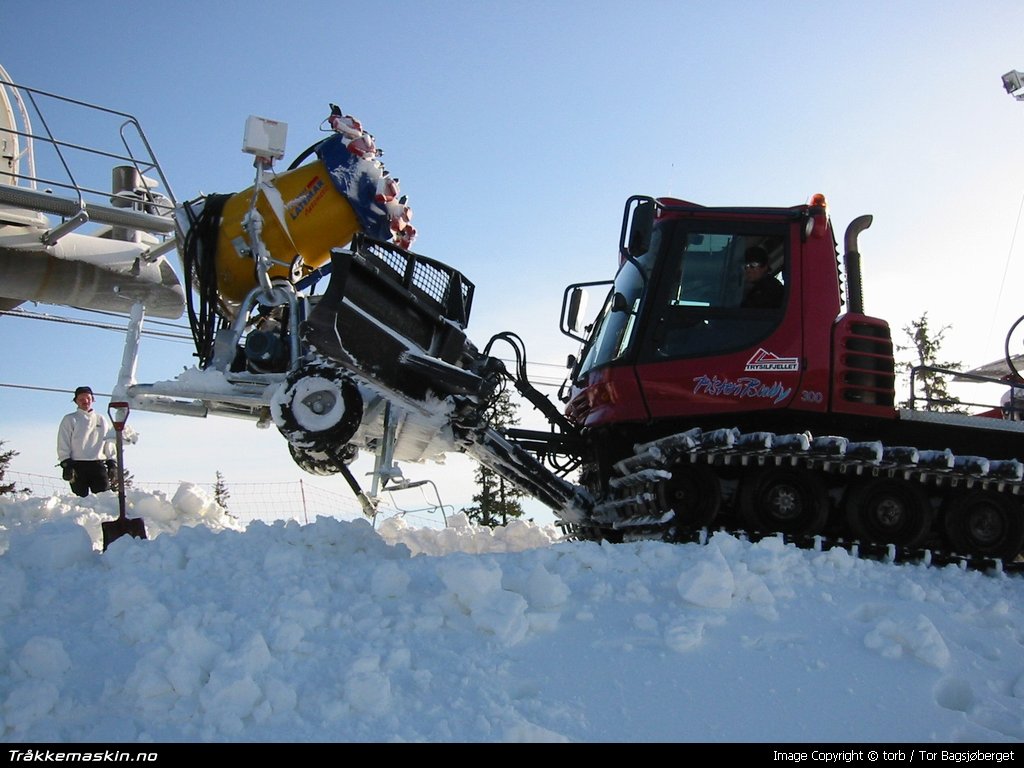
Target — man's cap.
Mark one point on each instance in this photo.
(757, 253)
(82, 390)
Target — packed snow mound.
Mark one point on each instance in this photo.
(336, 632)
(191, 505)
(461, 535)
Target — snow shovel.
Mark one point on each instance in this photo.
(115, 529)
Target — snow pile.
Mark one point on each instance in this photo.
(190, 506)
(460, 535)
(335, 632)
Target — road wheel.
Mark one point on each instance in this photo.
(318, 408)
(984, 523)
(884, 511)
(694, 494)
(783, 500)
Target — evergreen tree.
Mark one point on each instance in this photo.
(5, 461)
(925, 345)
(497, 501)
(220, 492)
(129, 480)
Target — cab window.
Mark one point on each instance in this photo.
(705, 300)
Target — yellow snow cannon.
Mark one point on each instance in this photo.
(296, 217)
(301, 217)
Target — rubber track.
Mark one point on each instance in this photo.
(633, 512)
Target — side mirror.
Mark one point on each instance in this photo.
(577, 309)
(572, 319)
(637, 224)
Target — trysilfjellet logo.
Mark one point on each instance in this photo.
(763, 360)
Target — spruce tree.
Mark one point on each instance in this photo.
(5, 461)
(497, 501)
(930, 385)
(115, 484)
(220, 492)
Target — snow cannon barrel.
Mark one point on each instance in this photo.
(306, 211)
(302, 216)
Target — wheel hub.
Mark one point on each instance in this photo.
(318, 408)
(986, 525)
(321, 401)
(785, 502)
(889, 513)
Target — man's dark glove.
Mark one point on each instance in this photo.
(111, 470)
(69, 470)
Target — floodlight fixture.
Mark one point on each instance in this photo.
(1013, 82)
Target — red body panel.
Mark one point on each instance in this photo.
(813, 359)
(611, 395)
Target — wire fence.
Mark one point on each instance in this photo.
(264, 502)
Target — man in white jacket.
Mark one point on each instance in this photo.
(85, 447)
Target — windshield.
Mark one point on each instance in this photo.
(615, 325)
(699, 289)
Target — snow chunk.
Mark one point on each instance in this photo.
(710, 583)
(42, 658)
(475, 586)
(389, 581)
(919, 639)
(60, 544)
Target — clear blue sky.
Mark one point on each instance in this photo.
(518, 129)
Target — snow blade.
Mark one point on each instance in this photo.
(115, 529)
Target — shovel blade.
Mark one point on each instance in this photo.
(123, 526)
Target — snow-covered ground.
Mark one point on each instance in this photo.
(335, 631)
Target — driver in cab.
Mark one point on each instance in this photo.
(761, 289)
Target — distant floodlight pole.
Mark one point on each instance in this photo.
(1013, 83)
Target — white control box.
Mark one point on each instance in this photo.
(264, 138)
